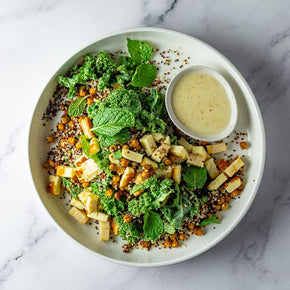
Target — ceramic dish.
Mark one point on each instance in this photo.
(249, 121)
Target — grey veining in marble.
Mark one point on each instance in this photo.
(37, 36)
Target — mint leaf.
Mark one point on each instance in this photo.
(77, 107)
(209, 220)
(153, 226)
(85, 145)
(144, 75)
(117, 155)
(120, 138)
(110, 121)
(195, 177)
(139, 50)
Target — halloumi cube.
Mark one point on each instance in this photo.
(94, 146)
(83, 196)
(86, 125)
(147, 161)
(233, 184)
(87, 171)
(80, 160)
(185, 144)
(99, 216)
(160, 152)
(79, 215)
(92, 203)
(76, 203)
(104, 231)
(211, 168)
(217, 182)
(195, 160)
(65, 171)
(216, 148)
(234, 167)
(166, 140)
(54, 183)
(200, 151)
(165, 172)
(131, 155)
(120, 170)
(158, 137)
(180, 152)
(176, 173)
(127, 177)
(148, 144)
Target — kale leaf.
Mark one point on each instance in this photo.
(74, 190)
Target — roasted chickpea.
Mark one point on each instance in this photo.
(228, 198)
(72, 124)
(125, 147)
(145, 244)
(135, 144)
(145, 174)
(166, 161)
(92, 91)
(79, 145)
(60, 126)
(225, 206)
(90, 101)
(167, 243)
(72, 140)
(124, 162)
(51, 163)
(182, 237)
(62, 143)
(127, 218)
(50, 139)
(83, 92)
(217, 207)
(45, 164)
(175, 244)
(173, 236)
(65, 119)
(109, 192)
(63, 108)
(116, 178)
(113, 148)
(191, 226)
(118, 195)
(198, 232)
(85, 184)
(112, 167)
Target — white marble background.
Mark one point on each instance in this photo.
(36, 36)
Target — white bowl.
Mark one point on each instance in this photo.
(249, 120)
(229, 92)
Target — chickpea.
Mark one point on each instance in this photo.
(217, 207)
(109, 192)
(62, 143)
(198, 231)
(145, 174)
(50, 139)
(166, 161)
(60, 126)
(74, 179)
(221, 200)
(182, 237)
(72, 124)
(134, 164)
(51, 163)
(63, 108)
(172, 158)
(124, 162)
(72, 140)
(125, 147)
(92, 91)
(191, 226)
(127, 218)
(225, 206)
(85, 184)
(235, 193)
(65, 119)
(113, 148)
(83, 92)
(113, 167)
(145, 244)
(135, 144)
(116, 178)
(175, 244)
(173, 236)
(90, 101)
(228, 198)
(167, 243)
(79, 145)
(45, 164)
(118, 195)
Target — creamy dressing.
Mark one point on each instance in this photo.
(201, 104)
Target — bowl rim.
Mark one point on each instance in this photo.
(229, 93)
(261, 166)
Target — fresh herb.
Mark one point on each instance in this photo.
(85, 146)
(117, 154)
(156, 103)
(77, 107)
(120, 138)
(153, 226)
(195, 177)
(144, 75)
(110, 121)
(209, 220)
(168, 228)
(139, 50)
(74, 190)
(105, 64)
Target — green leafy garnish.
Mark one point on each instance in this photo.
(74, 190)
(110, 121)
(144, 75)
(120, 138)
(117, 154)
(153, 226)
(85, 146)
(195, 177)
(139, 50)
(209, 220)
(77, 107)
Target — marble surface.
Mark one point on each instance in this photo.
(37, 36)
